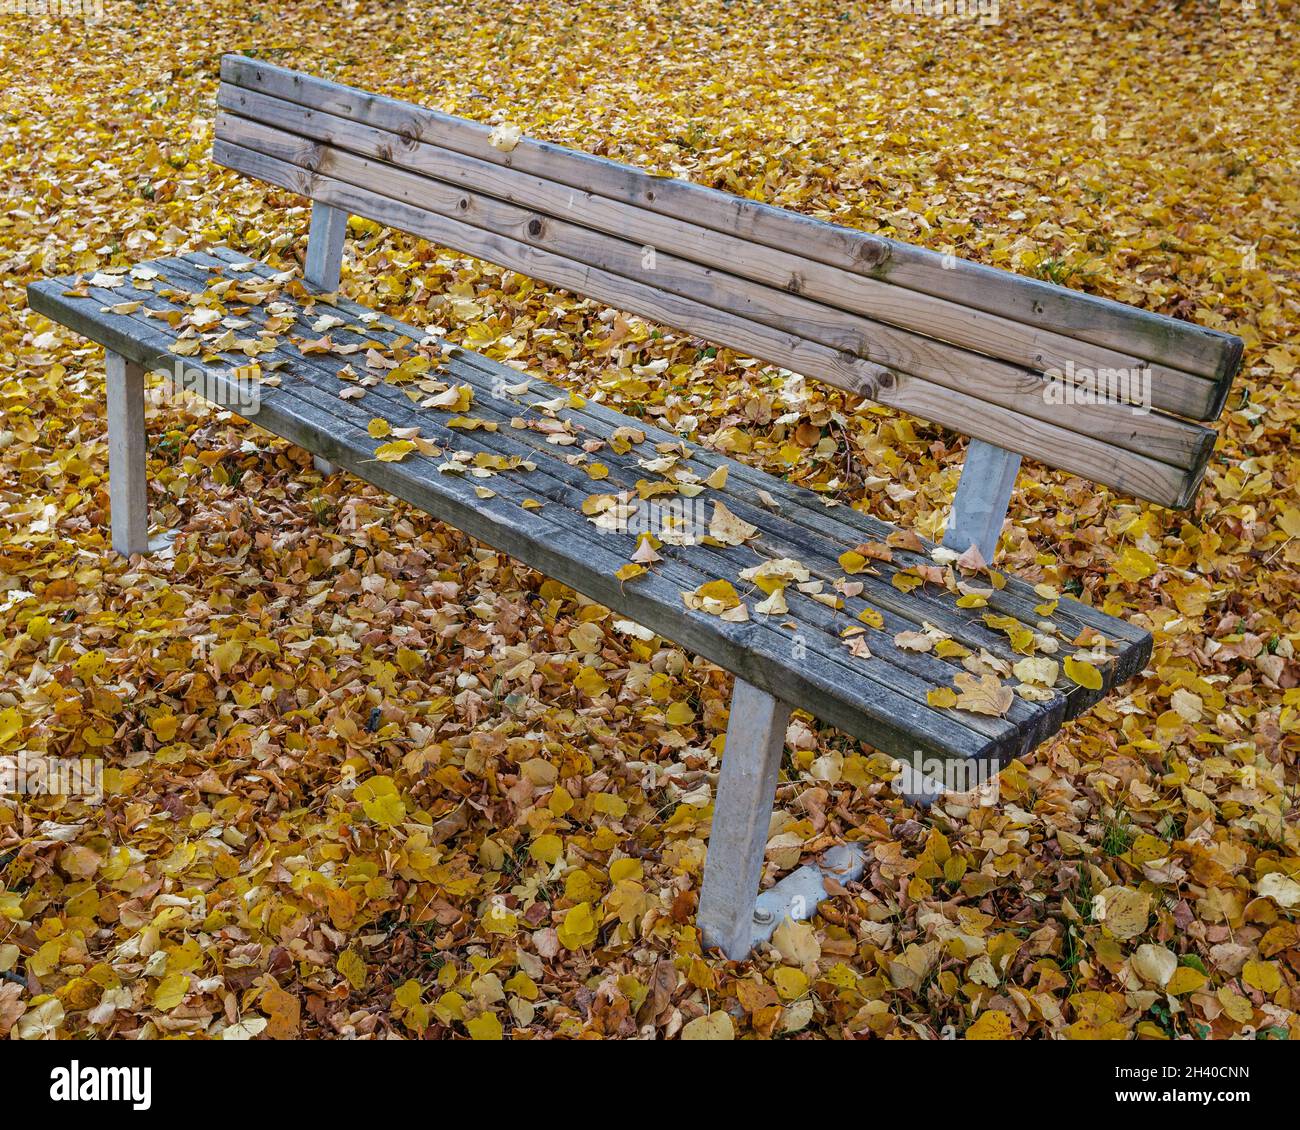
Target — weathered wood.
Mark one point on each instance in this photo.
(786, 307)
(289, 131)
(329, 226)
(1180, 345)
(801, 528)
(563, 548)
(805, 529)
(899, 695)
(797, 522)
(127, 485)
(1072, 451)
(742, 812)
(883, 702)
(983, 495)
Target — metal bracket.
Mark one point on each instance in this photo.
(798, 895)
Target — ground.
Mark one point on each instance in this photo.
(365, 777)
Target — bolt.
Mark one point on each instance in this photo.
(762, 917)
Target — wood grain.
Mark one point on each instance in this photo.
(881, 701)
(1003, 338)
(786, 308)
(1114, 325)
(1056, 446)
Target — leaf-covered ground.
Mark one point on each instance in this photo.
(357, 781)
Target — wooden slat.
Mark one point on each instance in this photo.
(1179, 345)
(1027, 346)
(1081, 454)
(754, 651)
(556, 481)
(810, 532)
(840, 523)
(1163, 438)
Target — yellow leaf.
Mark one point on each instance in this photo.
(906, 581)
(629, 571)
(394, 452)
(1186, 979)
(791, 983)
(1134, 565)
(1123, 911)
(352, 968)
(471, 424)
(381, 801)
(992, 1024)
(579, 927)
(164, 725)
(408, 994)
(609, 804)
(1262, 975)
(774, 605)
(546, 849)
(727, 528)
(88, 665)
(485, 1026)
(872, 618)
(1235, 1005)
(1041, 671)
(714, 1026)
(224, 656)
(1083, 673)
(679, 714)
(588, 681)
(945, 698)
(1276, 886)
(386, 810)
(458, 398)
(378, 428)
(11, 721)
(170, 991)
(984, 694)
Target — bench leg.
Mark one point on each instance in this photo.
(329, 226)
(324, 268)
(127, 489)
(983, 495)
(742, 812)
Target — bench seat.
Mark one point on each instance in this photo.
(802, 655)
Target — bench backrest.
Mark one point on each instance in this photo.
(1013, 361)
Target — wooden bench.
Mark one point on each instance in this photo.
(818, 597)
